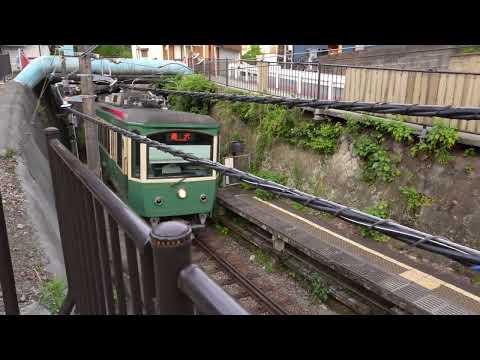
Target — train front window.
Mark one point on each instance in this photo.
(165, 165)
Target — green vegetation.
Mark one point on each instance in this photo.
(298, 206)
(470, 49)
(264, 260)
(381, 210)
(318, 290)
(415, 200)
(252, 52)
(114, 51)
(195, 82)
(399, 131)
(469, 152)
(9, 153)
(52, 294)
(222, 229)
(272, 176)
(468, 169)
(378, 165)
(438, 142)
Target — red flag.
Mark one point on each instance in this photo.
(23, 60)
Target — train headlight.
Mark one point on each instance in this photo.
(203, 198)
(182, 193)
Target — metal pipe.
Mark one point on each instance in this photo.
(43, 66)
(208, 297)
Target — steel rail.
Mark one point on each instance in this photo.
(242, 279)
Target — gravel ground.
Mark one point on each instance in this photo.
(286, 291)
(29, 261)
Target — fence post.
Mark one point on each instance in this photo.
(7, 280)
(318, 82)
(227, 71)
(171, 244)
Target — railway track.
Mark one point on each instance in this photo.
(341, 290)
(240, 285)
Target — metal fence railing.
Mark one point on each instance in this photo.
(115, 263)
(299, 80)
(350, 83)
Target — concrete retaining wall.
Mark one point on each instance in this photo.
(21, 129)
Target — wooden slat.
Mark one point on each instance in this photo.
(376, 84)
(466, 99)
(403, 86)
(442, 89)
(474, 126)
(410, 87)
(363, 81)
(423, 97)
(347, 96)
(459, 81)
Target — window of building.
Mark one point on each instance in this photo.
(144, 53)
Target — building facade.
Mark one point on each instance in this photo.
(30, 51)
(182, 52)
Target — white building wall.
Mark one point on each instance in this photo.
(229, 54)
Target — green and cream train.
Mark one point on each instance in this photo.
(155, 184)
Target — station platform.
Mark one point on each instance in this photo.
(405, 285)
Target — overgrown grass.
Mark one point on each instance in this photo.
(52, 294)
(264, 260)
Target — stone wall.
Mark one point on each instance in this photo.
(454, 213)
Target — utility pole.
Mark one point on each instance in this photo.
(91, 132)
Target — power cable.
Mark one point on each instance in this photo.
(464, 113)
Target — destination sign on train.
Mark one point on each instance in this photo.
(180, 136)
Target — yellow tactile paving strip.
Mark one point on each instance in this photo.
(421, 278)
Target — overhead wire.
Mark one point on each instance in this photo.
(464, 113)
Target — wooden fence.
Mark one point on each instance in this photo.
(416, 87)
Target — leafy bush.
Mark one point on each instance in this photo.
(322, 138)
(194, 82)
(252, 52)
(381, 210)
(438, 142)
(396, 129)
(415, 200)
(114, 51)
(378, 164)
